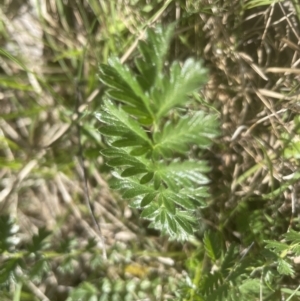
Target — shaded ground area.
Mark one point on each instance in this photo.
(50, 145)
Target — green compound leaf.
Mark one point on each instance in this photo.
(154, 50)
(111, 78)
(196, 130)
(38, 240)
(136, 112)
(296, 249)
(132, 171)
(127, 183)
(172, 227)
(179, 199)
(185, 225)
(149, 212)
(181, 82)
(113, 131)
(229, 260)
(285, 268)
(292, 236)
(163, 219)
(276, 246)
(129, 141)
(147, 178)
(133, 192)
(146, 134)
(157, 181)
(120, 158)
(147, 199)
(113, 152)
(169, 205)
(119, 117)
(125, 162)
(178, 175)
(197, 195)
(128, 78)
(128, 99)
(8, 268)
(213, 246)
(139, 151)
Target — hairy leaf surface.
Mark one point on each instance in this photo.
(149, 134)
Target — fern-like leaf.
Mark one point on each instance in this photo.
(123, 118)
(143, 148)
(181, 82)
(183, 174)
(196, 130)
(212, 244)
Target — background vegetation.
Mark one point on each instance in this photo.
(52, 175)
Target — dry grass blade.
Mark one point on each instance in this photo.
(277, 95)
(249, 60)
(283, 70)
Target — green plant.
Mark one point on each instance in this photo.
(219, 273)
(22, 269)
(154, 135)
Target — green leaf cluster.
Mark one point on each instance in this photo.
(220, 283)
(222, 273)
(225, 273)
(285, 251)
(150, 132)
(33, 261)
(118, 289)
